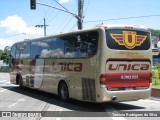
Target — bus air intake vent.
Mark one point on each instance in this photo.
(88, 89)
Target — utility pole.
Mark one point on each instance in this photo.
(79, 17)
(44, 26)
(80, 12)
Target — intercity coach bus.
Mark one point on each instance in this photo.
(105, 63)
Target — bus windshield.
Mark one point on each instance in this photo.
(121, 39)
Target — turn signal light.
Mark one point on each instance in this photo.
(103, 78)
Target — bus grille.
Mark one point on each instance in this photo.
(88, 89)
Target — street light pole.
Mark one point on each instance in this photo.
(44, 26)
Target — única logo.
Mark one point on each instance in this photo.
(129, 39)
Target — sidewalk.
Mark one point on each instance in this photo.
(155, 92)
(4, 76)
(3, 67)
(154, 98)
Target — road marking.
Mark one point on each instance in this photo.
(8, 82)
(118, 118)
(18, 101)
(60, 112)
(58, 118)
(3, 90)
(3, 81)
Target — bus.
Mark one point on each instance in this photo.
(100, 64)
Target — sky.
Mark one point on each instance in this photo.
(18, 21)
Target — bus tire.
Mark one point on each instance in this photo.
(63, 91)
(19, 80)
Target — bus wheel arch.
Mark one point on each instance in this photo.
(63, 91)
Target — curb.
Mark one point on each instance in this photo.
(154, 98)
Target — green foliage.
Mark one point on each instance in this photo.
(4, 56)
(1, 51)
(155, 32)
(155, 83)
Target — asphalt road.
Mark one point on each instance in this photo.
(17, 101)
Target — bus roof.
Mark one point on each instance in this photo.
(102, 26)
(62, 34)
(107, 26)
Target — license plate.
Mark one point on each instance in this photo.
(128, 88)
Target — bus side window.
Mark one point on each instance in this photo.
(57, 48)
(18, 50)
(88, 44)
(13, 51)
(71, 47)
(35, 49)
(12, 56)
(81, 45)
(92, 43)
(45, 49)
(26, 51)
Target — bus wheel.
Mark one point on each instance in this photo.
(63, 91)
(19, 80)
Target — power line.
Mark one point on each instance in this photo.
(53, 17)
(41, 21)
(66, 19)
(122, 18)
(72, 27)
(57, 12)
(61, 26)
(61, 5)
(67, 23)
(50, 15)
(87, 7)
(48, 10)
(10, 36)
(15, 35)
(69, 19)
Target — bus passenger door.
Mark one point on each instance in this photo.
(39, 66)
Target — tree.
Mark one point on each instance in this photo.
(4, 55)
(1, 51)
(155, 32)
(7, 49)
